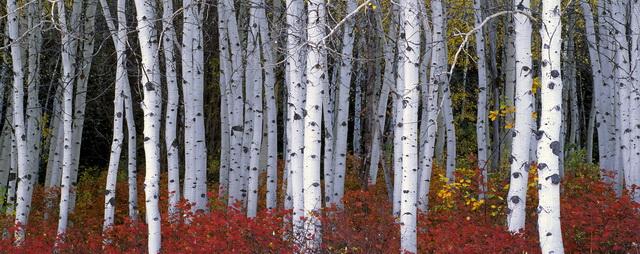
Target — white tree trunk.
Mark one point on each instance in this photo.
(388, 81)
(67, 109)
(341, 124)
(169, 42)
(316, 72)
(152, 108)
(254, 60)
(270, 107)
(607, 101)
(519, 158)
(632, 174)
(481, 118)
(296, 86)
(398, 124)
(225, 116)
(437, 76)
(410, 105)
(121, 80)
(550, 119)
(25, 175)
(598, 88)
(83, 68)
(195, 190)
(357, 122)
(12, 179)
(34, 110)
(236, 103)
(623, 90)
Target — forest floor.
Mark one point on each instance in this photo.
(593, 220)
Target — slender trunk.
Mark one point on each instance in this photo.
(25, 175)
(316, 73)
(344, 85)
(411, 103)
(226, 103)
(398, 123)
(121, 80)
(270, 107)
(623, 91)
(82, 80)
(632, 174)
(481, 119)
(171, 142)
(550, 119)
(152, 108)
(195, 189)
(388, 80)
(519, 158)
(295, 101)
(67, 109)
(254, 60)
(34, 110)
(235, 100)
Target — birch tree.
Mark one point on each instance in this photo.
(410, 104)
(84, 26)
(169, 42)
(550, 119)
(254, 82)
(481, 118)
(295, 102)
(341, 125)
(24, 172)
(388, 82)
(316, 72)
(632, 175)
(519, 158)
(67, 108)
(193, 89)
(152, 108)
(118, 35)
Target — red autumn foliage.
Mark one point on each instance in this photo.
(593, 221)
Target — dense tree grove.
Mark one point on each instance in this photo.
(291, 126)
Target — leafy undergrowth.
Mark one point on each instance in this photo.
(593, 221)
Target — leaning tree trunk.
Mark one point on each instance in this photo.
(598, 89)
(436, 77)
(550, 119)
(152, 108)
(67, 109)
(118, 36)
(411, 103)
(388, 82)
(343, 87)
(82, 79)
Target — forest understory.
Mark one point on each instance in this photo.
(593, 221)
